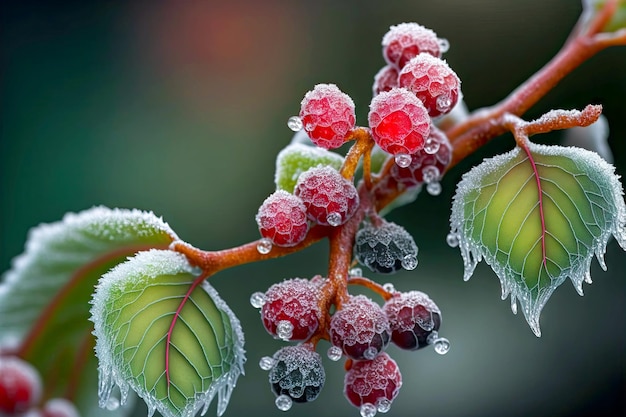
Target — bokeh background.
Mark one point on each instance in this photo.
(180, 107)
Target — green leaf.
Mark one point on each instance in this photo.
(44, 298)
(296, 158)
(163, 331)
(538, 219)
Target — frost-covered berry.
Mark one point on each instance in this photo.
(20, 385)
(375, 382)
(428, 164)
(406, 40)
(298, 373)
(385, 248)
(59, 407)
(360, 328)
(413, 316)
(433, 82)
(399, 121)
(290, 310)
(330, 199)
(327, 115)
(385, 79)
(282, 219)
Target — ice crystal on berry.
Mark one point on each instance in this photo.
(385, 248)
(385, 79)
(413, 316)
(376, 382)
(298, 373)
(406, 40)
(282, 219)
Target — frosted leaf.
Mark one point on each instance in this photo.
(297, 158)
(166, 335)
(533, 244)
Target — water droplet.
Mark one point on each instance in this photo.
(334, 219)
(441, 344)
(113, 403)
(367, 410)
(266, 363)
(513, 305)
(431, 146)
(433, 188)
(257, 299)
(334, 353)
(264, 246)
(389, 287)
(430, 173)
(370, 353)
(284, 329)
(452, 240)
(283, 402)
(443, 103)
(383, 405)
(403, 160)
(355, 272)
(409, 262)
(444, 45)
(294, 123)
(588, 278)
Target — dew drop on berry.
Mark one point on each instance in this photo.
(383, 405)
(284, 329)
(283, 402)
(266, 363)
(294, 123)
(113, 403)
(433, 188)
(257, 299)
(334, 353)
(409, 262)
(452, 240)
(367, 410)
(403, 160)
(334, 219)
(430, 173)
(444, 45)
(389, 287)
(355, 272)
(441, 344)
(370, 353)
(264, 246)
(443, 103)
(431, 146)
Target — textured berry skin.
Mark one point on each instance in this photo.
(399, 121)
(298, 373)
(59, 407)
(327, 115)
(406, 40)
(324, 191)
(360, 328)
(385, 79)
(413, 316)
(433, 82)
(294, 300)
(373, 381)
(384, 249)
(282, 219)
(414, 174)
(20, 385)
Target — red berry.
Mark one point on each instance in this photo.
(413, 316)
(291, 310)
(433, 82)
(282, 219)
(327, 115)
(376, 382)
(406, 40)
(385, 79)
(360, 328)
(399, 121)
(59, 407)
(20, 385)
(330, 199)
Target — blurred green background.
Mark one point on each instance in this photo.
(180, 107)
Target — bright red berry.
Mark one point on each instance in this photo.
(282, 219)
(413, 316)
(433, 82)
(291, 310)
(399, 121)
(385, 79)
(406, 40)
(20, 385)
(360, 328)
(375, 382)
(59, 407)
(327, 115)
(330, 199)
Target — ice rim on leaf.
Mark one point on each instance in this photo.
(114, 370)
(473, 250)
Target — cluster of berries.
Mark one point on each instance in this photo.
(21, 392)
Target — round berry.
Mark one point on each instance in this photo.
(59, 407)
(20, 385)
(291, 310)
(360, 328)
(406, 40)
(375, 382)
(413, 316)
(426, 167)
(433, 82)
(327, 115)
(385, 248)
(399, 121)
(385, 79)
(330, 199)
(282, 219)
(298, 373)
